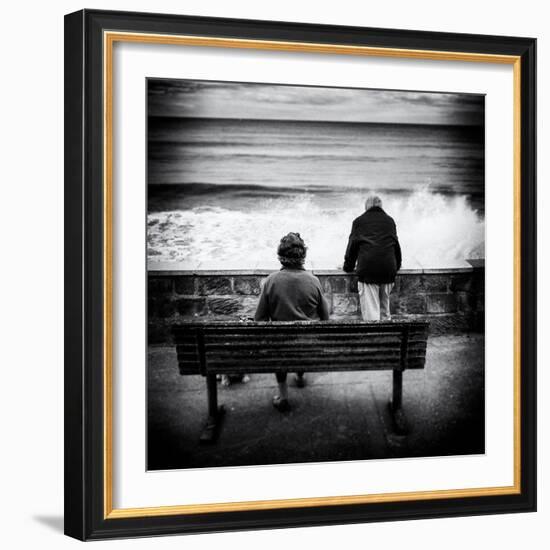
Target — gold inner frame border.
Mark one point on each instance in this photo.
(109, 39)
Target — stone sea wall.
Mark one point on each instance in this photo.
(451, 299)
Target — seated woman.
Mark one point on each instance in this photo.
(291, 294)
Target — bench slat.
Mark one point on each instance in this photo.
(299, 355)
(320, 347)
(290, 343)
(317, 352)
(229, 367)
(268, 335)
(317, 346)
(305, 357)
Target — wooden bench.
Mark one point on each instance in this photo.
(216, 347)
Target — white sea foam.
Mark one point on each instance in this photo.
(435, 230)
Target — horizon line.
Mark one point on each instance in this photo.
(319, 121)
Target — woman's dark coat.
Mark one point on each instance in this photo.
(373, 245)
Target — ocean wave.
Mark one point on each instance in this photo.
(435, 230)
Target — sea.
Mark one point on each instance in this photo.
(222, 192)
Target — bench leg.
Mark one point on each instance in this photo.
(211, 429)
(400, 425)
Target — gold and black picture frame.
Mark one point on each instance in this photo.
(97, 292)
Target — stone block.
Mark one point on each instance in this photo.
(338, 284)
(346, 317)
(157, 333)
(159, 285)
(413, 303)
(480, 302)
(166, 308)
(397, 284)
(477, 263)
(436, 282)
(455, 323)
(478, 278)
(224, 306)
(325, 283)
(345, 304)
(353, 280)
(185, 284)
(220, 286)
(449, 323)
(410, 283)
(247, 285)
(152, 310)
(395, 303)
(461, 282)
(248, 305)
(191, 307)
(478, 321)
(160, 307)
(466, 302)
(236, 308)
(441, 303)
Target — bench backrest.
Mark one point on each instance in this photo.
(226, 348)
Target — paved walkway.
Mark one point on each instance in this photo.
(337, 416)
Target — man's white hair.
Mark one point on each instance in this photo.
(373, 201)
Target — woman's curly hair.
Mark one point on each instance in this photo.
(292, 251)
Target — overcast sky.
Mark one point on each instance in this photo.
(192, 98)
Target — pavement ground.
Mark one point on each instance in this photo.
(337, 416)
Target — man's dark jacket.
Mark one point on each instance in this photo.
(374, 246)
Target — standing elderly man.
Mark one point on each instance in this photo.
(374, 247)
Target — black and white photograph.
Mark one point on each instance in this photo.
(316, 272)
